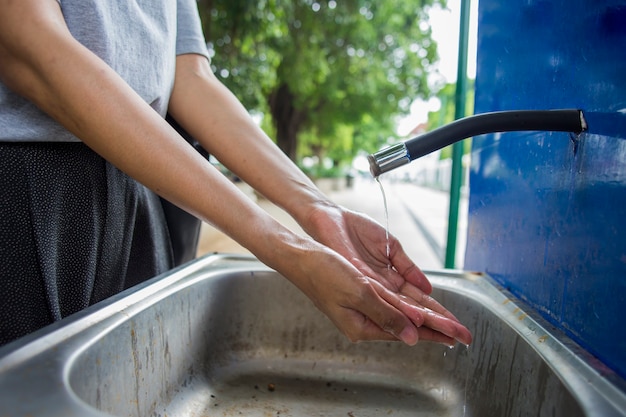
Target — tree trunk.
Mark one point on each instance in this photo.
(287, 119)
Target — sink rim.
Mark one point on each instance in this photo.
(40, 364)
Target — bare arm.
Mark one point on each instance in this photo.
(43, 62)
(216, 118)
(40, 60)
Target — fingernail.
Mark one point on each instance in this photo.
(409, 336)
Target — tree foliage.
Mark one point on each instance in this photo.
(333, 74)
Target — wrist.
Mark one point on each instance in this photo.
(306, 204)
(286, 252)
(320, 217)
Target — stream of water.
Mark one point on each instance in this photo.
(382, 190)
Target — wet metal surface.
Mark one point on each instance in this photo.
(228, 337)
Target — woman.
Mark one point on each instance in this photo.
(85, 86)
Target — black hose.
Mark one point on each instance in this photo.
(568, 120)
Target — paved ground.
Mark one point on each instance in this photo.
(418, 217)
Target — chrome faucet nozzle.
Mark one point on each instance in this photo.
(388, 159)
(567, 120)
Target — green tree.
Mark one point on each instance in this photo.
(334, 73)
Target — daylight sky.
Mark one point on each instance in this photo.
(445, 29)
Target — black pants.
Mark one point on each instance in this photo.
(73, 231)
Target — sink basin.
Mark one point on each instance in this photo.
(226, 336)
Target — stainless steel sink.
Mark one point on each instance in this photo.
(226, 336)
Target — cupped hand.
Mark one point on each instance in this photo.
(358, 305)
(363, 242)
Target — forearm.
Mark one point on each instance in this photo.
(213, 116)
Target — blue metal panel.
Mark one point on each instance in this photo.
(548, 213)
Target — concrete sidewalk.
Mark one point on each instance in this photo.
(418, 217)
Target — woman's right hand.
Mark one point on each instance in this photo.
(362, 308)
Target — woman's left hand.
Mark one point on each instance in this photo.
(363, 242)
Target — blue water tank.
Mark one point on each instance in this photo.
(547, 215)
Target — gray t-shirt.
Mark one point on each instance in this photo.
(139, 39)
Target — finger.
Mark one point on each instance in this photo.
(430, 325)
(425, 311)
(426, 300)
(420, 316)
(362, 328)
(385, 309)
(434, 336)
(407, 269)
(446, 326)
